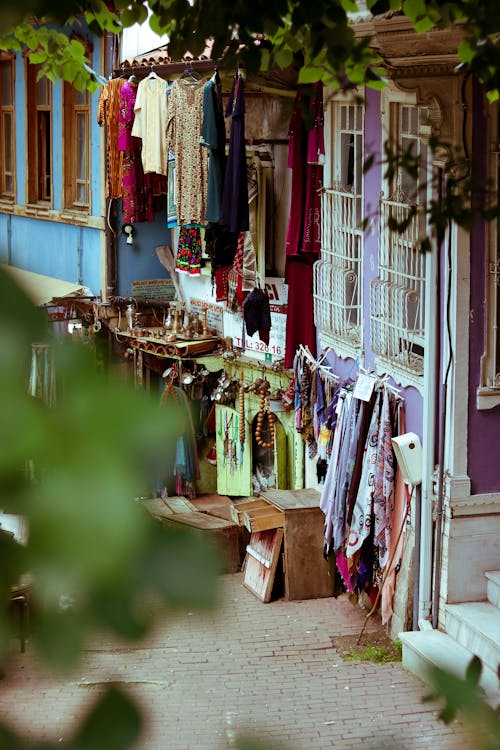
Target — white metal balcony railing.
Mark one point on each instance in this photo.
(337, 275)
(397, 294)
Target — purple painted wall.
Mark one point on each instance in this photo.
(345, 368)
(484, 426)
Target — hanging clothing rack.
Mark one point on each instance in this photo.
(173, 69)
(165, 70)
(381, 381)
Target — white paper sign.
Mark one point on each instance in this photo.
(364, 387)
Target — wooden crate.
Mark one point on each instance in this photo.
(163, 507)
(239, 508)
(224, 534)
(175, 511)
(261, 519)
(262, 558)
(307, 574)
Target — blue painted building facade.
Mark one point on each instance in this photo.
(47, 237)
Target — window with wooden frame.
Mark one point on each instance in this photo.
(397, 295)
(39, 136)
(338, 274)
(76, 151)
(7, 130)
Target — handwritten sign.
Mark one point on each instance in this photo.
(214, 313)
(153, 289)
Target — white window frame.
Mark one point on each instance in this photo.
(338, 279)
(398, 293)
(488, 392)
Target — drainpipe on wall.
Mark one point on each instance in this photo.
(79, 256)
(110, 55)
(430, 379)
(9, 239)
(111, 260)
(416, 557)
(442, 441)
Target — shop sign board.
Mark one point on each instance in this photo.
(153, 289)
(277, 291)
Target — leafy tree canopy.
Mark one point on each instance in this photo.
(262, 33)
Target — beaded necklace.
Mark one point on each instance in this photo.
(264, 412)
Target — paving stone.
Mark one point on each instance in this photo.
(248, 668)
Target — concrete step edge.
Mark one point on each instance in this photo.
(473, 615)
(423, 650)
(493, 587)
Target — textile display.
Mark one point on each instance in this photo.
(184, 123)
(138, 190)
(362, 497)
(234, 210)
(213, 137)
(303, 239)
(108, 109)
(257, 314)
(189, 252)
(180, 465)
(171, 199)
(150, 124)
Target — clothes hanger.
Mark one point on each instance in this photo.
(189, 72)
(153, 74)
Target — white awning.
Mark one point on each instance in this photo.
(40, 289)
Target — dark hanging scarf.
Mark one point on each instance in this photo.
(234, 211)
(257, 314)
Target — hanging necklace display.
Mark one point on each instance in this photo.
(242, 418)
(264, 411)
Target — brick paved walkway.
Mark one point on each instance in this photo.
(266, 670)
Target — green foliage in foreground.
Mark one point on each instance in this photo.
(90, 543)
(319, 32)
(463, 699)
(93, 453)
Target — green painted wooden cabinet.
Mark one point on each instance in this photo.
(235, 466)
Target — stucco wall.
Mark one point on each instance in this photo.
(484, 426)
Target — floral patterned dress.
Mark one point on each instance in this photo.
(184, 123)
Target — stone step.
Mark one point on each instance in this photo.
(476, 625)
(493, 587)
(425, 649)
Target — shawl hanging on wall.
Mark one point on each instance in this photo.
(303, 240)
(234, 210)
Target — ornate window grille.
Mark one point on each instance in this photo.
(397, 295)
(337, 275)
(337, 298)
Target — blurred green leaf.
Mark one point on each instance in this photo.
(113, 724)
